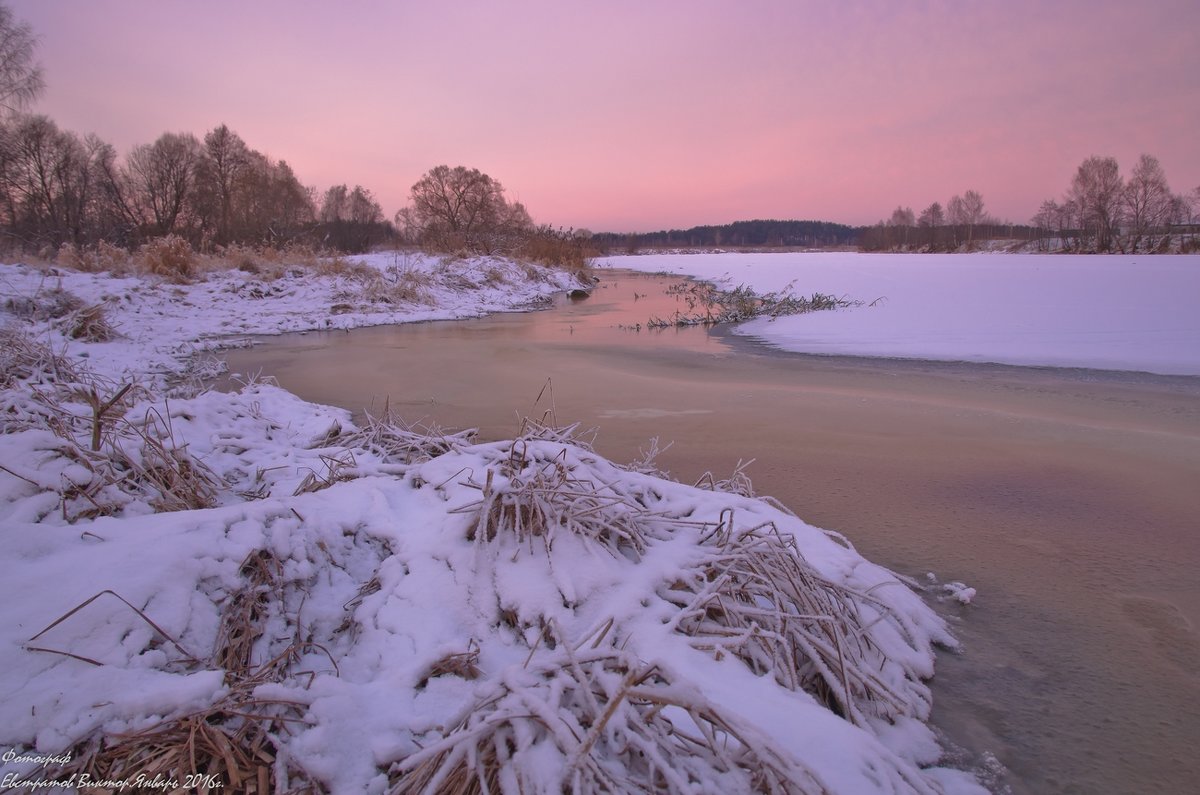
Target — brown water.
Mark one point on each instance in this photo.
(1069, 499)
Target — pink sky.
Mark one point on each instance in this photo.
(645, 115)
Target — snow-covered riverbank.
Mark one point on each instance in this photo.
(1105, 312)
(252, 582)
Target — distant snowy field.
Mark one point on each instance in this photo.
(1136, 313)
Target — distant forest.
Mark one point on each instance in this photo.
(740, 234)
(1100, 212)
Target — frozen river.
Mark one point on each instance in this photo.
(1068, 498)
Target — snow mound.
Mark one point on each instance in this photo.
(521, 609)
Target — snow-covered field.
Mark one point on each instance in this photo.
(1138, 313)
(248, 582)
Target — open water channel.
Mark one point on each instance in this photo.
(1069, 499)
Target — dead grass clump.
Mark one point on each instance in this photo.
(391, 286)
(396, 441)
(708, 306)
(52, 304)
(494, 277)
(298, 255)
(104, 257)
(560, 249)
(338, 468)
(24, 359)
(597, 720)
(170, 257)
(177, 481)
(245, 612)
(266, 262)
(755, 597)
(230, 746)
(536, 495)
(241, 257)
(398, 284)
(738, 483)
(91, 325)
(464, 665)
(125, 460)
(340, 266)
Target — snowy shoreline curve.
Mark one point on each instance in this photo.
(1110, 312)
(383, 608)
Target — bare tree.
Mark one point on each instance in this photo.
(48, 181)
(902, 216)
(1096, 192)
(226, 158)
(965, 213)
(1191, 206)
(362, 207)
(162, 176)
(902, 221)
(20, 78)
(1051, 217)
(1147, 206)
(272, 204)
(351, 220)
(932, 216)
(973, 208)
(465, 209)
(334, 205)
(972, 213)
(930, 228)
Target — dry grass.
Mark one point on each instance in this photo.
(90, 324)
(464, 665)
(138, 462)
(611, 723)
(170, 257)
(534, 496)
(105, 257)
(755, 597)
(738, 483)
(173, 258)
(339, 467)
(26, 360)
(396, 441)
(708, 306)
(45, 304)
(559, 249)
(268, 262)
(230, 745)
(125, 459)
(340, 266)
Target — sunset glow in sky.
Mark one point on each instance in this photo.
(622, 116)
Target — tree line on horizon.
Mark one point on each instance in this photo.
(1100, 212)
(961, 224)
(738, 234)
(59, 188)
(60, 191)
(1103, 212)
